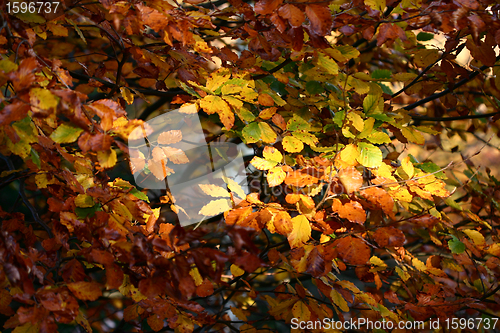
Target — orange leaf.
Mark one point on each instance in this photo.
(353, 250)
(380, 198)
(352, 210)
(86, 291)
(169, 137)
(177, 156)
(389, 237)
(351, 179)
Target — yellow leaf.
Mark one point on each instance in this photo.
(107, 159)
(292, 145)
(201, 46)
(476, 237)
(238, 312)
(275, 176)
(376, 4)
(348, 156)
(272, 154)
(262, 164)
(418, 264)
(87, 291)
(214, 104)
(43, 100)
(301, 231)
(215, 207)
(236, 271)
(195, 274)
(301, 311)
(127, 95)
(84, 201)
(376, 261)
(307, 138)
(83, 322)
(234, 187)
(27, 328)
(413, 135)
(217, 78)
(407, 166)
(357, 121)
(339, 300)
(214, 190)
(57, 29)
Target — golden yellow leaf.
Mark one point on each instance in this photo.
(301, 231)
(127, 95)
(301, 311)
(236, 271)
(292, 145)
(272, 154)
(348, 156)
(214, 190)
(216, 207)
(407, 166)
(262, 164)
(339, 300)
(275, 176)
(107, 159)
(476, 237)
(84, 201)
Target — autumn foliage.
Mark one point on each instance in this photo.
(365, 202)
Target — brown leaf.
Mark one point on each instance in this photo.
(315, 263)
(293, 14)
(389, 237)
(389, 32)
(353, 250)
(380, 198)
(320, 18)
(267, 6)
(86, 291)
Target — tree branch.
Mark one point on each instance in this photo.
(448, 90)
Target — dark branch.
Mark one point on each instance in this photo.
(448, 90)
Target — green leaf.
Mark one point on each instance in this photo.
(370, 156)
(382, 74)
(431, 167)
(189, 90)
(256, 131)
(35, 158)
(139, 195)
(314, 87)
(456, 246)
(66, 133)
(381, 117)
(424, 36)
(297, 123)
(373, 104)
(87, 212)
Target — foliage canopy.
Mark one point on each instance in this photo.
(342, 221)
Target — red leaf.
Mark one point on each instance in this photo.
(389, 32)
